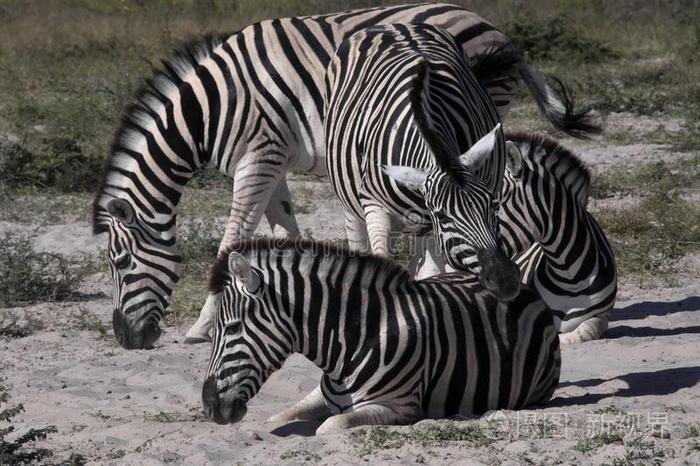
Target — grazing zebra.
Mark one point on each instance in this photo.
(564, 253)
(392, 349)
(401, 105)
(251, 105)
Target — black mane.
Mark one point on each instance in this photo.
(219, 277)
(556, 159)
(185, 57)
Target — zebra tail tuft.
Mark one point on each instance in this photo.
(556, 103)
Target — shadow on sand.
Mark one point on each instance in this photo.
(661, 382)
(650, 308)
(303, 428)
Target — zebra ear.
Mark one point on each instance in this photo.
(121, 209)
(412, 178)
(480, 152)
(514, 159)
(241, 269)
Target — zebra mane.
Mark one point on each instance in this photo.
(557, 160)
(148, 106)
(330, 251)
(419, 104)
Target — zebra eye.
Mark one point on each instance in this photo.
(122, 261)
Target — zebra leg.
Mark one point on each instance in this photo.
(312, 408)
(247, 208)
(590, 329)
(370, 414)
(356, 232)
(280, 213)
(378, 228)
(432, 263)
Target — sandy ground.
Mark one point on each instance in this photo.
(143, 407)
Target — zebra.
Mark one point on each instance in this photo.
(401, 106)
(563, 253)
(392, 349)
(249, 104)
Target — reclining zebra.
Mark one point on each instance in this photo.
(563, 253)
(403, 104)
(251, 105)
(392, 350)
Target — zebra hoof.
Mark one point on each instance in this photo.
(197, 340)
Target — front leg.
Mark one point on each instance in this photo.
(256, 188)
(590, 329)
(312, 408)
(378, 222)
(369, 414)
(280, 213)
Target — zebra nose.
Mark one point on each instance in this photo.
(210, 400)
(499, 275)
(130, 338)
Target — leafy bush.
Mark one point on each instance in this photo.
(19, 450)
(27, 276)
(556, 39)
(57, 162)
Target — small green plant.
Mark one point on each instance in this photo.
(382, 438)
(638, 451)
(86, 320)
(116, 454)
(300, 454)
(693, 430)
(586, 444)
(196, 415)
(28, 276)
(609, 409)
(19, 450)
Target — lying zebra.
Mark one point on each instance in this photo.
(562, 251)
(393, 350)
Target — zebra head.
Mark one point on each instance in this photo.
(145, 266)
(463, 211)
(249, 342)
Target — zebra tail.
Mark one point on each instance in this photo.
(557, 104)
(497, 66)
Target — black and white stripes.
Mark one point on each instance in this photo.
(561, 249)
(409, 129)
(250, 104)
(392, 350)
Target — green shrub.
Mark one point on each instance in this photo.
(27, 276)
(556, 39)
(19, 450)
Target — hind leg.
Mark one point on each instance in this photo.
(268, 196)
(590, 329)
(356, 233)
(370, 414)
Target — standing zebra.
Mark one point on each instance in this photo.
(251, 105)
(392, 350)
(562, 250)
(402, 104)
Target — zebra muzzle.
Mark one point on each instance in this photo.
(220, 410)
(499, 275)
(131, 337)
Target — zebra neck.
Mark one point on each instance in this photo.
(578, 256)
(335, 312)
